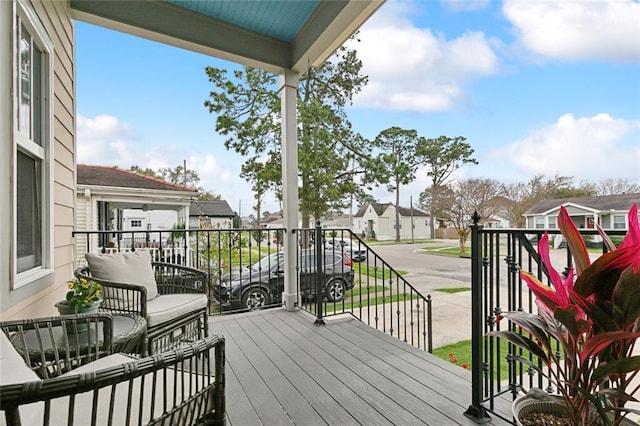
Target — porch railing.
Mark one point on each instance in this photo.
(381, 297)
(374, 292)
(497, 257)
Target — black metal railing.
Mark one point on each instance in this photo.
(246, 271)
(379, 295)
(497, 257)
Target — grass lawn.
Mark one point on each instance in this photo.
(361, 268)
(355, 303)
(452, 290)
(447, 251)
(460, 352)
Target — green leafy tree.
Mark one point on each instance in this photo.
(248, 113)
(181, 176)
(397, 162)
(443, 156)
(147, 172)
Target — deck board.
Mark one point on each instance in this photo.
(282, 369)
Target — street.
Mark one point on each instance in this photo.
(426, 272)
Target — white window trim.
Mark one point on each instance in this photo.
(32, 23)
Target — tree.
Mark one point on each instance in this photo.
(617, 186)
(147, 172)
(248, 112)
(523, 195)
(443, 156)
(180, 176)
(472, 195)
(397, 162)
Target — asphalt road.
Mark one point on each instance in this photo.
(427, 272)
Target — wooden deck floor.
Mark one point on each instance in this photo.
(282, 369)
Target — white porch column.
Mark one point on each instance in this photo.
(288, 95)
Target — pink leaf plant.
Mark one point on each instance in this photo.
(594, 315)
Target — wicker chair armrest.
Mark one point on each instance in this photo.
(172, 278)
(185, 360)
(53, 345)
(119, 297)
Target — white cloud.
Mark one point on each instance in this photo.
(103, 140)
(411, 68)
(578, 30)
(587, 148)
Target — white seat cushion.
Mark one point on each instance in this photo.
(126, 268)
(14, 370)
(167, 307)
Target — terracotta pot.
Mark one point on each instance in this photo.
(65, 309)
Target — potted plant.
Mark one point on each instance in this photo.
(595, 320)
(84, 296)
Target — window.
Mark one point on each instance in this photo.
(136, 223)
(539, 222)
(619, 222)
(553, 222)
(32, 137)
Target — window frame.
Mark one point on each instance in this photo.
(619, 216)
(24, 16)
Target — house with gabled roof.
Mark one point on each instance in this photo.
(379, 219)
(609, 211)
(216, 214)
(112, 198)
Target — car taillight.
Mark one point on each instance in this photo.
(347, 260)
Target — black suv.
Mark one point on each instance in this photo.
(262, 283)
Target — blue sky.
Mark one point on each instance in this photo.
(535, 87)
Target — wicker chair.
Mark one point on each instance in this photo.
(50, 357)
(177, 286)
(183, 386)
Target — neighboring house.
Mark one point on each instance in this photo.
(379, 219)
(497, 220)
(215, 214)
(38, 136)
(111, 198)
(610, 211)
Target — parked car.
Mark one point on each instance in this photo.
(354, 249)
(262, 283)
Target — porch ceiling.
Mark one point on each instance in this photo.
(269, 34)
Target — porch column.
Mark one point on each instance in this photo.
(288, 95)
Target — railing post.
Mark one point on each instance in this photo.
(476, 411)
(319, 274)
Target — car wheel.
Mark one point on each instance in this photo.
(255, 298)
(335, 290)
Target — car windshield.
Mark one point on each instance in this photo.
(266, 263)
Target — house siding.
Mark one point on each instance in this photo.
(55, 18)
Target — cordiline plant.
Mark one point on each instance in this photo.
(595, 318)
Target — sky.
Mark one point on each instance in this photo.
(536, 87)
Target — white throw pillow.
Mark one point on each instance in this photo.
(126, 268)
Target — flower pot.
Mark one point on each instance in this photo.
(64, 308)
(538, 401)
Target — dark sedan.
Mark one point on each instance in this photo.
(262, 283)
